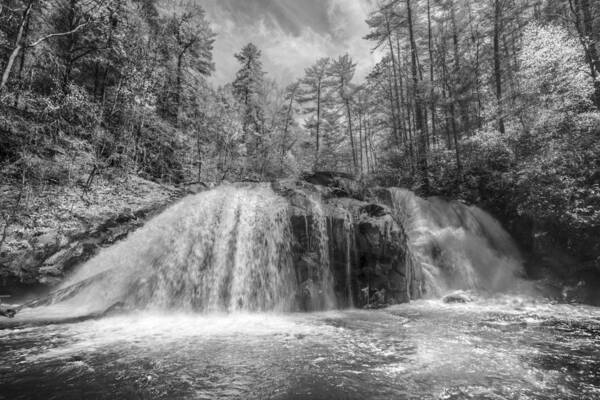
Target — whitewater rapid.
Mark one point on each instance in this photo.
(495, 348)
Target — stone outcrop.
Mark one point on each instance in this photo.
(53, 255)
(460, 296)
(367, 247)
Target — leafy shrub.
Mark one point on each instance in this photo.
(561, 183)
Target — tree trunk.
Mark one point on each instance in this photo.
(360, 143)
(419, 122)
(476, 39)
(21, 66)
(431, 76)
(286, 127)
(349, 116)
(408, 127)
(318, 127)
(395, 73)
(459, 96)
(71, 52)
(19, 44)
(497, 64)
(395, 119)
(592, 36)
(451, 116)
(178, 87)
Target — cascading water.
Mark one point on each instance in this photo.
(223, 250)
(233, 249)
(456, 246)
(321, 280)
(350, 248)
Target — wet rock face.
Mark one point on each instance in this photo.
(53, 255)
(367, 248)
(383, 258)
(338, 184)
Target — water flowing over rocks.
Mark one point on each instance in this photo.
(367, 249)
(315, 244)
(457, 246)
(459, 296)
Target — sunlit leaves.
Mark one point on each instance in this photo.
(553, 71)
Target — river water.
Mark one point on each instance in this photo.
(508, 347)
(220, 267)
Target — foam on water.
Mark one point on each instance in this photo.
(502, 347)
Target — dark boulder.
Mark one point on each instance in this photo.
(459, 296)
(368, 254)
(339, 184)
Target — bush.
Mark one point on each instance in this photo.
(561, 184)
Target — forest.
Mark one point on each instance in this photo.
(491, 102)
(300, 199)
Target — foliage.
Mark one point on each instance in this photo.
(492, 102)
(552, 69)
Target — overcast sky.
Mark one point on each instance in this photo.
(292, 34)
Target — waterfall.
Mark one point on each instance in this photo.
(227, 249)
(246, 248)
(350, 243)
(321, 281)
(456, 246)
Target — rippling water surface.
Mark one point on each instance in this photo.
(507, 348)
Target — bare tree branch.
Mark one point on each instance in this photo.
(53, 35)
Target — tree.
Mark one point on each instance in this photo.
(420, 123)
(589, 36)
(342, 70)
(291, 94)
(384, 24)
(497, 63)
(21, 44)
(247, 88)
(552, 70)
(314, 95)
(191, 40)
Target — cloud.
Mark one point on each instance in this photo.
(292, 34)
(348, 25)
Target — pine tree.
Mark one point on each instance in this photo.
(342, 71)
(247, 88)
(315, 94)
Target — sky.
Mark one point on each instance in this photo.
(292, 34)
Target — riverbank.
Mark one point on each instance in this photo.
(52, 229)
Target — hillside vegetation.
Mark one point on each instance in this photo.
(105, 106)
